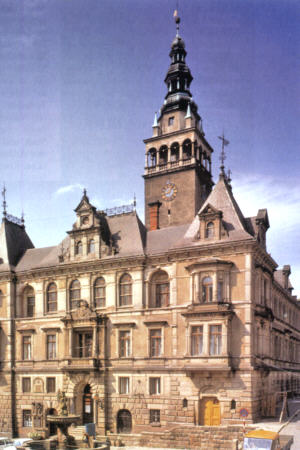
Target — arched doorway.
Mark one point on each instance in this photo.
(124, 421)
(211, 414)
(52, 426)
(87, 405)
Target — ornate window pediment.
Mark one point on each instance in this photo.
(83, 313)
(211, 223)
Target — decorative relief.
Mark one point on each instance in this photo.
(38, 385)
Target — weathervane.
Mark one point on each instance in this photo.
(223, 155)
(177, 19)
(4, 204)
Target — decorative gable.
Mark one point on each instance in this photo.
(211, 224)
(90, 236)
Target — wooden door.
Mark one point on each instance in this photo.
(87, 405)
(211, 412)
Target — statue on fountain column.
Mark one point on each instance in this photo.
(62, 402)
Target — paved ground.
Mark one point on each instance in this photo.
(293, 428)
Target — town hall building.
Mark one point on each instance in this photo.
(182, 320)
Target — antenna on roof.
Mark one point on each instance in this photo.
(4, 204)
(223, 155)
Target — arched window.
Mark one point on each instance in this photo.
(75, 294)
(78, 248)
(51, 297)
(210, 230)
(151, 157)
(160, 290)
(174, 152)
(233, 404)
(187, 149)
(99, 292)
(29, 301)
(125, 290)
(91, 246)
(207, 290)
(163, 154)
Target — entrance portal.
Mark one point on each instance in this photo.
(211, 415)
(124, 422)
(87, 405)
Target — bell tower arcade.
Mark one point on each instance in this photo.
(178, 158)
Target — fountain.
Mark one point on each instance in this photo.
(63, 421)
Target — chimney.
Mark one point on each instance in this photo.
(286, 270)
(154, 215)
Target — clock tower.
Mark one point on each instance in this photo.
(178, 157)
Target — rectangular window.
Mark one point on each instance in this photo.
(51, 384)
(162, 295)
(197, 340)
(171, 121)
(84, 345)
(124, 385)
(26, 384)
(220, 291)
(154, 416)
(155, 343)
(124, 343)
(30, 306)
(51, 346)
(27, 348)
(27, 420)
(215, 339)
(154, 385)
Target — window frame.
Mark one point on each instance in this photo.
(195, 335)
(27, 418)
(51, 346)
(74, 302)
(216, 337)
(89, 249)
(49, 300)
(27, 347)
(155, 385)
(101, 298)
(154, 416)
(207, 289)
(26, 389)
(124, 343)
(155, 342)
(83, 340)
(123, 286)
(48, 383)
(124, 379)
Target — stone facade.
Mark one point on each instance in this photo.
(168, 328)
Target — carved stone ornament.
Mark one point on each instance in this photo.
(82, 313)
(38, 385)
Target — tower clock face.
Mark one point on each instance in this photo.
(169, 191)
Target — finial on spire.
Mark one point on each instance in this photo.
(4, 204)
(22, 218)
(134, 202)
(84, 192)
(177, 19)
(223, 155)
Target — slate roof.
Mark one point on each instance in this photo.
(14, 241)
(221, 198)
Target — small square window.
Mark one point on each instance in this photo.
(26, 384)
(171, 121)
(124, 385)
(154, 416)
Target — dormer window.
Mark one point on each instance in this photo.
(210, 230)
(84, 220)
(78, 248)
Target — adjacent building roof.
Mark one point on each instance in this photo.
(14, 241)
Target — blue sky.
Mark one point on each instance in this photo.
(80, 81)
